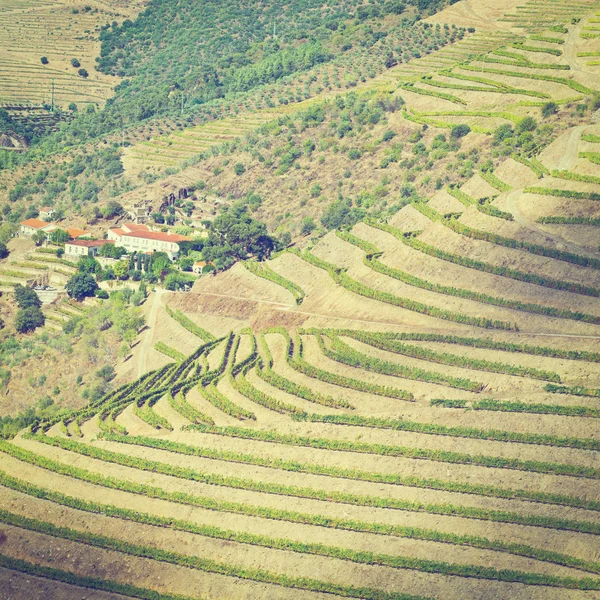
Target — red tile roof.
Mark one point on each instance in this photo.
(135, 227)
(75, 233)
(158, 235)
(46, 209)
(35, 223)
(89, 243)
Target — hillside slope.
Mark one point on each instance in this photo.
(403, 404)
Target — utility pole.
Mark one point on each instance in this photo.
(53, 95)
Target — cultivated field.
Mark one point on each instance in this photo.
(60, 31)
(405, 410)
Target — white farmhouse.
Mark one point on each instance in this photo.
(31, 226)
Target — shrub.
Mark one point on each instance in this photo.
(44, 60)
(239, 169)
(75, 63)
(102, 294)
(3, 250)
(308, 226)
(549, 109)
(83, 73)
(527, 124)
(459, 131)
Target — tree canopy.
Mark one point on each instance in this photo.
(26, 297)
(234, 235)
(81, 285)
(28, 319)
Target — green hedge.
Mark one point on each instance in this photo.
(499, 240)
(487, 344)
(574, 85)
(413, 242)
(354, 474)
(224, 404)
(151, 417)
(171, 352)
(204, 335)
(262, 270)
(384, 342)
(483, 205)
(570, 221)
(301, 391)
(210, 503)
(186, 410)
(359, 557)
(400, 451)
(347, 355)
(495, 182)
(575, 176)
(210, 566)
(522, 407)
(340, 277)
(573, 391)
(563, 193)
(458, 431)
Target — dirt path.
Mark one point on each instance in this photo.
(147, 336)
(571, 152)
(569, 50)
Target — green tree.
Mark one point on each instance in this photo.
(112, 209)
(44, 60)
(175, 281)
(459, 131)
(39, 237)
(527, 124)
(75, 63)
(239, 169)
(112, 251)
(549, 108)
(106, 373)
(3, 250)
(59, 236)
(235, 235)
(88, 264)
(26, 297)
(121, 269)
(81, 285)
(28, 319)
(308, 226)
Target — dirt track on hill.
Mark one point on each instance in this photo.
(287, 309)
(148, 335)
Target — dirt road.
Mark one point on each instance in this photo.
(145, 345)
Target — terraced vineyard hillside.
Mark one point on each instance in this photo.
(59, 31)
(402, 409)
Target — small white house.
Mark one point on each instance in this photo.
(47, 213)
(31, 226)
(76, 248)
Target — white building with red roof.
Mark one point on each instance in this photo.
(76, 248)
(31, 226)
(139, 238)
